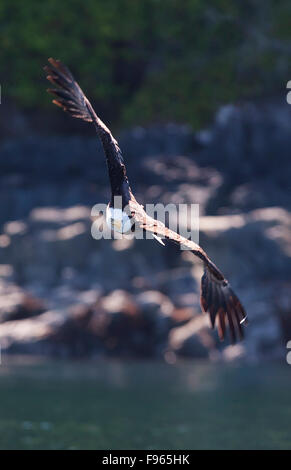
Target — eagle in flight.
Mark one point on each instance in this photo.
(217, 297)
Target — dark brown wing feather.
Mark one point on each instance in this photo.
(217, 297)
(70, 97)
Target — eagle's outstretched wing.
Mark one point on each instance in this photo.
(70, 97)
(217, 297)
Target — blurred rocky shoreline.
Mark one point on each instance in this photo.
(65, 294)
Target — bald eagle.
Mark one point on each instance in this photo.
(217, 297)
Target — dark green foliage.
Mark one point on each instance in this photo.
(148, 60)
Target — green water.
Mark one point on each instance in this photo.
(143, 405)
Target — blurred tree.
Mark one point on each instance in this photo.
(148, 60)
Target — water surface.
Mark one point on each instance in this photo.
(143, 405)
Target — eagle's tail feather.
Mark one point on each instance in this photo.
(69, 95)
(219, 300)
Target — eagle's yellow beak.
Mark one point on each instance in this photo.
(117, 224)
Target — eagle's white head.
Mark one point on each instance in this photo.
(117, 220)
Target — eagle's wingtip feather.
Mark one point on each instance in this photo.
(69, 95)
(221, 303)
